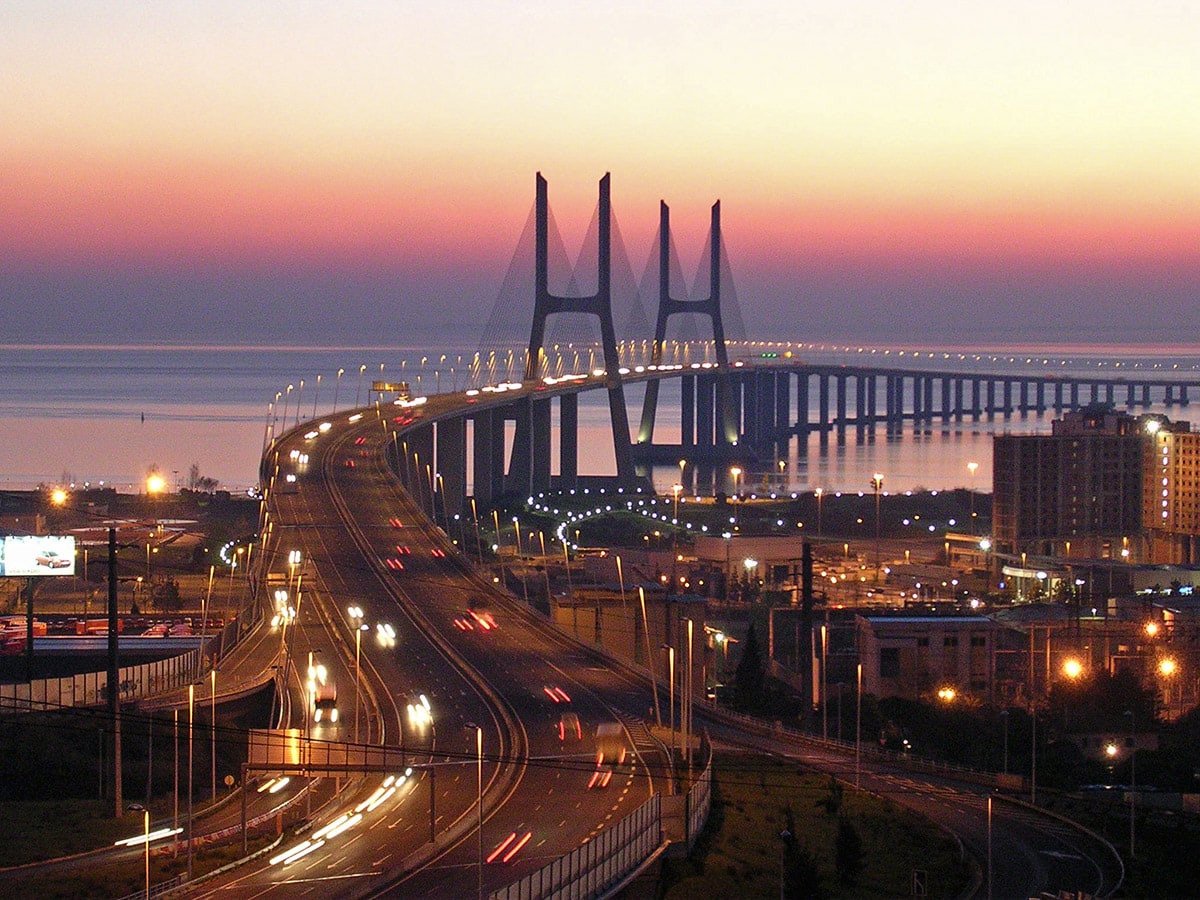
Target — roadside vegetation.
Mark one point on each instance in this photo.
(774, 821)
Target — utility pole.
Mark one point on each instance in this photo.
(806, 628)
(114, 673)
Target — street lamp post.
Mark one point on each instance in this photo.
(971, 467)
(191, 731)
(671, 695)
(1132, 780)
(356, 616)
(286, 399)
(358, 390)
(877, 484)
(337, 383)
(858, 730)
(1004, 715)
(479, 800)
(820, 492)
(213, 729)
(146, 829)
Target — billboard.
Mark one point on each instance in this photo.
(33, 554)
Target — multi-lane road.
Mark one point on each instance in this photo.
(498, 681)
(344, 534)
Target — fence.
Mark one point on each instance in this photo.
(134, 682)
(590, 869)
(699, 802)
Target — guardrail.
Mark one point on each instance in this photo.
(135, 682)
(590, 869)
(699, 800)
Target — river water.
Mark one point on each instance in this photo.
(75, 414)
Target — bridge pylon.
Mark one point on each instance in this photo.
(599, 305)
(669, 306)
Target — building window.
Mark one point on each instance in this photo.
(889, 662)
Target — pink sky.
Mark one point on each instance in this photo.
(1031, 164)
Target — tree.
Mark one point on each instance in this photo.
(165, 595)
(198, 482)
(849, 855)
(801, 875)
(749, 680)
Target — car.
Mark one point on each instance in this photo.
(51, 560)
(394, 564)
(438, 552)
(569, 728)
(556, 694)
(359, 441)
(403, 550)
(600, 778)
(395, 522)
(350, 464)
(483, 619)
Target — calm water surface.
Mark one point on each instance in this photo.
(111, 414)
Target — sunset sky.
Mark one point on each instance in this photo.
(953, 172)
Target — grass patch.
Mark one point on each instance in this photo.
(53, 828)
(740, 854)
(118, 879)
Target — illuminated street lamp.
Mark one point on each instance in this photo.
(337, 383)
(1167, 668)
(1073, 669)
(287, 396)
(877, 484)
(213, 745)
(972, 467)
(358, 390)
(736, 472)
(356, 617)
(820, 493)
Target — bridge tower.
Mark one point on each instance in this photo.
(599, 305)
(711, 307)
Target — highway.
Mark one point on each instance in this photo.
(495, 673)
(513, 680)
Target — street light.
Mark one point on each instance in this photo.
(1004, 715)
(1132, 779)
(213, 745)
(479, 770)
(671, 694)
(877, 484)
(736, 472)
(971, 467)
(358, 390)
(191, 731)
(356, 616)
(820, 492)
(337, 383)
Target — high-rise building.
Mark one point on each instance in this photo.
(1171, 492)
(1074, 492)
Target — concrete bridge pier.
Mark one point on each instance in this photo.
(487, 432)
(451, 480)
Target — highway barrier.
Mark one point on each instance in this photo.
(135, 682)
(592, 868)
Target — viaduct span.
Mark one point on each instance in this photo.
(744, 411)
